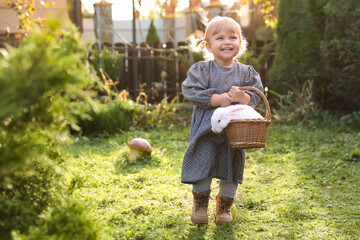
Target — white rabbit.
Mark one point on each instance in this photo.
(222, 115)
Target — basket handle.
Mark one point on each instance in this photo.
(268, 113)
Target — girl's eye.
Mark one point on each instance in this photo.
(219, 38)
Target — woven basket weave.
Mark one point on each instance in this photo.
(249, 133)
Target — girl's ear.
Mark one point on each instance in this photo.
(208, 47)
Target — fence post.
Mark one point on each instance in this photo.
(182, 72)
(145, 84)
(170, 65)
(158, 91)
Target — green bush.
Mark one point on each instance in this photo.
(295, 107)
(188, 58)
(110, 62)
(113, 117)
(341, 50)
(67, 219)
(248, 58)
(39, 81)
(318, 40)
(152, 35)
(350, 122)
(299, 33)
(197, 56)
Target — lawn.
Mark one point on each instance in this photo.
(303, 185)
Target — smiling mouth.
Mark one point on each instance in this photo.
(226, 49)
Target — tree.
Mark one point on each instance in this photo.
(152, 36)
(340, 51)
(25, 10)
(317, 40)
(299, 33)
(37, 106)
(268, 9)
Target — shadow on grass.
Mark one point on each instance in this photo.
(217, 233)
(123, 166)
(224, 232)
(198, 232)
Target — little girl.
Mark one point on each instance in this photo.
(211, 84)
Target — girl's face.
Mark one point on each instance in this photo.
(224, 45)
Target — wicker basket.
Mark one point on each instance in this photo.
(249, 133)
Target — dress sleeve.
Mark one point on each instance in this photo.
(195, 87)
(253, 79)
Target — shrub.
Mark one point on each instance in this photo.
(113, 117)
(197, 56)
(297, 106)
(249, 59)
(110, 62)
(67, 219)
(318, 40)
(152, 35)
(341, 50)
(188, 58)
(350, 122)
(38, 82)
(299, 33)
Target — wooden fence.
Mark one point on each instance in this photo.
(159, 70)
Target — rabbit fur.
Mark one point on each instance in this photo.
(222, 115)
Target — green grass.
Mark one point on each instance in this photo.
(303, 185)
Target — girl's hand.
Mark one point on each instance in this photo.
(222, 100)
(239, 96)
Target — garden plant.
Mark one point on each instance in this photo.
(65, 128)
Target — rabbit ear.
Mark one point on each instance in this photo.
(232, 112)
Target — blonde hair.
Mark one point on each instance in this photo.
(214, 27)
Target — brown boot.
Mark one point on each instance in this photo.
(223, 205)
(199, 213)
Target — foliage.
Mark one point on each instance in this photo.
(25, 10)
(249, 58)
(188, 58)
(259, 62)
(185, 62)
(116, 115)
(111, 64)
(197, 56)
(85, 12)
(341, 50)
(156, 114)
(268, 9)
(3, 51)
(317, 40)
(297, 106)
(152, 35)
(39, 81)
(113, 117)
(160, 113)
(350, 122)
(297, 43)
(305, 179)
(67, 219)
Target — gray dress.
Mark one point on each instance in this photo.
(209, 154)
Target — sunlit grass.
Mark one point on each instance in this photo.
(303, 185)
